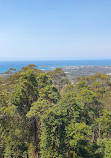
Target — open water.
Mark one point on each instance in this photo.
(51, 64)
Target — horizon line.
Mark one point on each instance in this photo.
(53, 59)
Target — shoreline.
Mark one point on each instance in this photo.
(77, 71)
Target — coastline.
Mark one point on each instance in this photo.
(73, 72)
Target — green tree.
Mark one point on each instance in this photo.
(58, 77)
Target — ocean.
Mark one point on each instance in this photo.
(50, 64)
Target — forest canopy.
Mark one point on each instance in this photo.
(44, 115)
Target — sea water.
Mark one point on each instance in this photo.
(50, 64)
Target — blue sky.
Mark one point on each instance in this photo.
(55, 29)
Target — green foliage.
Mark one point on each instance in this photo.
(11, 70)
(58, 77)
(25, 91)
(107, 153)
(42, 115)
(53, 134)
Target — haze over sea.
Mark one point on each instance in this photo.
(51, 64)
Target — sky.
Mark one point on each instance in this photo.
(55, 29)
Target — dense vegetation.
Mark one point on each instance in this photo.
(43, 115)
